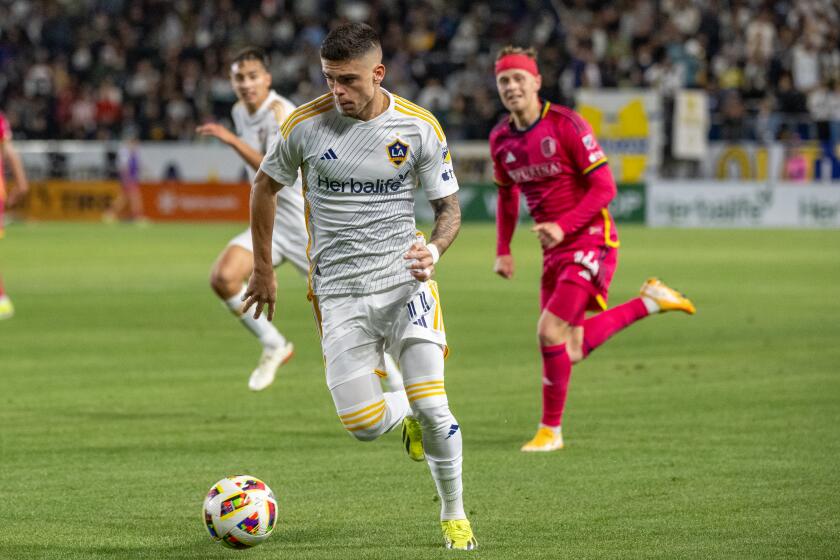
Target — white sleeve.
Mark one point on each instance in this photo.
(282, 159)
(237, 122)
(435, 172)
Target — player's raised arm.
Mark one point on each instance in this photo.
(251, 156)
(262, 287)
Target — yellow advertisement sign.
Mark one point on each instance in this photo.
(69, 200)
(628, 126)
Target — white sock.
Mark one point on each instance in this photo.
(651, 306)
(267, 333)
(422, 365)
(442, 444)
(555, 429)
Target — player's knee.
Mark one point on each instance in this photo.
(552, 334)
(224, 283)
(574, 351)
(367, 432)
(436, 418)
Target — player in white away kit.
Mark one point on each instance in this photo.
(257, 117)
(363, 152)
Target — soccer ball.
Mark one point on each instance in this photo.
(240, 511)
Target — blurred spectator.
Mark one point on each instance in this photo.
(94, 68)
(766, 121)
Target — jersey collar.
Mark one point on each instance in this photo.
(545, 107)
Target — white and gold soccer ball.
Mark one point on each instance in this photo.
(240, 511)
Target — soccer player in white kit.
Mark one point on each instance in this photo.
(362, 152)
(257, 117)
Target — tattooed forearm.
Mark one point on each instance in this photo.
(447, 221)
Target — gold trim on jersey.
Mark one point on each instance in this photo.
(545, 109)
(592, 167)
(601, 301)
(408, 108)
(279, 111)
(607, 227)
(315, 107)
(437, 323)
(310, 293)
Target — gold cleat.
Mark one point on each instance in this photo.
(458, 535)
(412, 436)
(545, 440)
(7, 310)
(668, 299)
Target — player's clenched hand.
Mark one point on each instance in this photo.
(504, 266)
(217, 130)
(420, 262)
(549, 233)
(262, 290)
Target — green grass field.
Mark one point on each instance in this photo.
(123, 398)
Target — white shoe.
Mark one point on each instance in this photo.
(270, 361)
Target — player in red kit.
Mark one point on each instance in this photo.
(21, 186)
(550, 154)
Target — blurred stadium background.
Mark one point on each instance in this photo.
(746, 92)
(123, 382)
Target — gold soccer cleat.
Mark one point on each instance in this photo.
(545, 440)
(458, 535)
(668, 299)
(412, 436)
(7, 310)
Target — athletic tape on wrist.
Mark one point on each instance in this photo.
(434, 251)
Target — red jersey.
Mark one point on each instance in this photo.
(559, 166)
(5, 136)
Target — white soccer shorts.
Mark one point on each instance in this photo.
(287, 244)
(356, 330)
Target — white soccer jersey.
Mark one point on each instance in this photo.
(257, 130)
(359, 178)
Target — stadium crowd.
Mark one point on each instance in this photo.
(153, 69)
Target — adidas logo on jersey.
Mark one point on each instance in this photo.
(329, 154)
(510, 158)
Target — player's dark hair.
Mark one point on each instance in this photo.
(251, 53)
(349, 41)
(530, 52)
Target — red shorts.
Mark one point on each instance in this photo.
(591, 269)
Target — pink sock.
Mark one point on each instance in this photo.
(598, 329)
(557, 368)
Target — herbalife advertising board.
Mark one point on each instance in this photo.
(715, 204)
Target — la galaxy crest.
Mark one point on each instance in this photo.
(398, 152)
